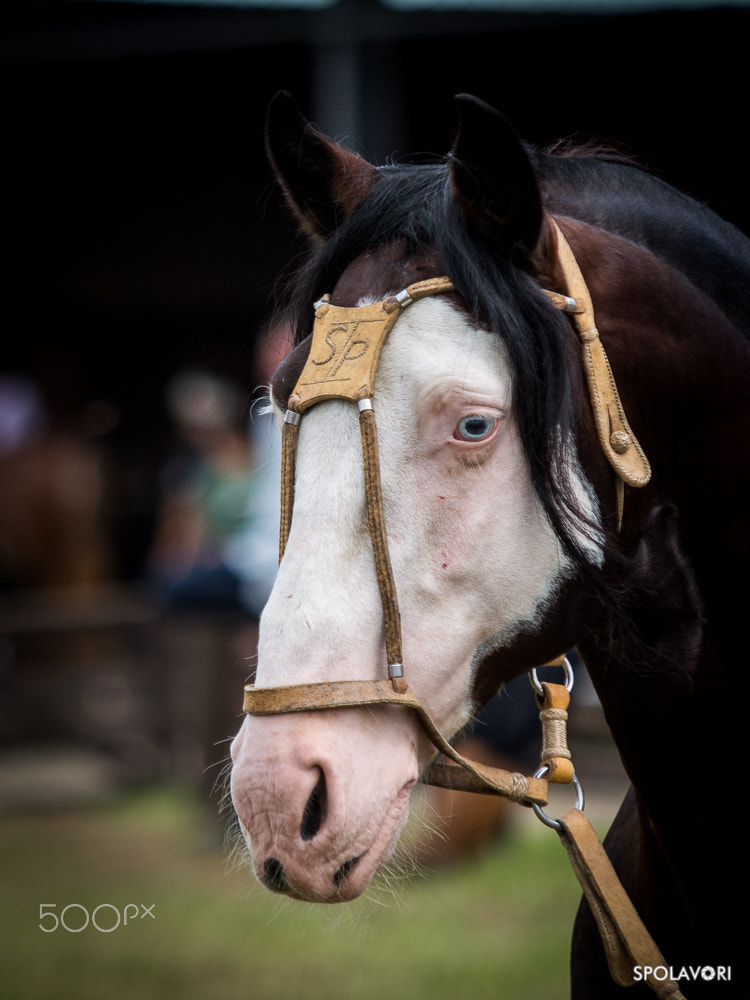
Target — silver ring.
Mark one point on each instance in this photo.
(542, 815)
(537, 685)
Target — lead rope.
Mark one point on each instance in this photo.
(626, 941)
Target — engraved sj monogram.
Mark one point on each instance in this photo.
(344, 354)
(338, 356)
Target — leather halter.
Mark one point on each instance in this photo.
(348, 373)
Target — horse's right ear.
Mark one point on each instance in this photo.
(322, 181)
(493, 179)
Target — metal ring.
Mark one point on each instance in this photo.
(536, 683)
(542, 815)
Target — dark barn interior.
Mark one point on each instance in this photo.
(144, 236)
(142, 228)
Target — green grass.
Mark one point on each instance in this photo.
(495, 929)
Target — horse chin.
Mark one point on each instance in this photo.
(318, 826)
(346, 882)
(308, 877)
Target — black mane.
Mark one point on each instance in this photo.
(414, 204)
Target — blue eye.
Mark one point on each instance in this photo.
(475, 427)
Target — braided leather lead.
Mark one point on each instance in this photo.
(376, 523)
(288, 469)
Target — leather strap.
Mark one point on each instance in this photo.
(378, 537)
(354, 694)
(553, 715)
(347, 344)
(288, 476)
(616, 437)
(342, 364)
(627, 943)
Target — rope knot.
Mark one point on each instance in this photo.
(553, 715)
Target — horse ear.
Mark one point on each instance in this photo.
(493, 178)
(323, 182)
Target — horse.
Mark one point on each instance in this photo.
(524, 499)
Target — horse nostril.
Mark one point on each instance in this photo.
(340, 876)
(274, 877)
(314, 814)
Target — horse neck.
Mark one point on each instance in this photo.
(682, 369)
(627, 201)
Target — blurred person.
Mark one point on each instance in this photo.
(215, 552)
(53, 493)
(218, 529)
(253, 553)
(206, 491)
(62, 675)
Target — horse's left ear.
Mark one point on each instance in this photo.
(493, 178)
(322, 181)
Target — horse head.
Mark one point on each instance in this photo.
(491, 522)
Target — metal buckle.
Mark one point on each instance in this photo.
(542, 815)
(537, 684)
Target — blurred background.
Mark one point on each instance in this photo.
(143, 240)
